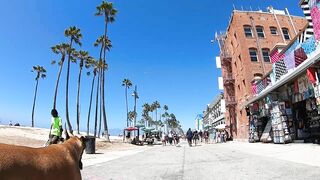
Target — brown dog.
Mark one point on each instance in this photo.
(58, 161)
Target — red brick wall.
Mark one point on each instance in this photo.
(244, 69)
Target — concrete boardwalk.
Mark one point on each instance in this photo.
(234, 160)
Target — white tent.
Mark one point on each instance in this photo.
(221, 126)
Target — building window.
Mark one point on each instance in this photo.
(266, 54)
(260, 32)
(239, 87)
(273, 30)
(239, 57)
(244, 82)
(286, 34)
(253, 54)
(247, 31)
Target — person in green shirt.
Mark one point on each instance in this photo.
(56, 127)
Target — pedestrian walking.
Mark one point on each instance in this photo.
(170, 137)
(206, 136)
(189, 136)
(201, 135)
(195, 137)
(222, 136)
(163, 138)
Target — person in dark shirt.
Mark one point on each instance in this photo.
(189, 136)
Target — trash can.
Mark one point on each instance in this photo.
(90, 145)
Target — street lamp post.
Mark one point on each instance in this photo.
(135, 95)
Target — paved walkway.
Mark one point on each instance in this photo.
(234, 160)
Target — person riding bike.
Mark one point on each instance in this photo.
(56, 127)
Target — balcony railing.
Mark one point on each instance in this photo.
(226, 58)
(231, 100)
(228, 79)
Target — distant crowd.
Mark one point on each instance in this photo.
(171, 138)
(216, 136)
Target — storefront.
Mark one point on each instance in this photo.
(286, 105)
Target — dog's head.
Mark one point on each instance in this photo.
(80, 143)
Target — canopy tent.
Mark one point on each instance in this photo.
(222, 126)
(147, 129)
(131, 129)
(155, 131)
(207, 126)
(139, 125)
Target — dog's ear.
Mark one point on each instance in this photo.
(83, 139)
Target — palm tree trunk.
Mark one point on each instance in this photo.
(97, 102)
(100, 111)
(106, 133)
(126, 94)
(100, 118)
(57, 82)
(67, 90)
(78, 100)
(34, 100)
(91, 94)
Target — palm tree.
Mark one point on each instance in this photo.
(41, 73)
(105, 9)
(145, 112)
(83, 57)
(127, 84)
(63, 50)
(94, 64)
(132, 115)
(75, 36)
(156, 106)
(105, 43)
(97, 100)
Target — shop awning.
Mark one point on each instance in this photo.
(130, 129)
(221, 126)
(285, 78)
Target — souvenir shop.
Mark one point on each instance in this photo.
(291, 113)
(286, 105)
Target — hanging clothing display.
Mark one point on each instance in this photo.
(260, 87)
(289, 60)
(299, 56)
(312, 3)
(315, 15)
(280, 69)
(309, 45)
(266, 81)
(275, 56)
(311, 73)
(254, 88)
(279, 121)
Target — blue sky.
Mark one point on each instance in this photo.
(162, 46)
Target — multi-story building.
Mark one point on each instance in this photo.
(244, 54)
(214, 114)
(199, 122)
